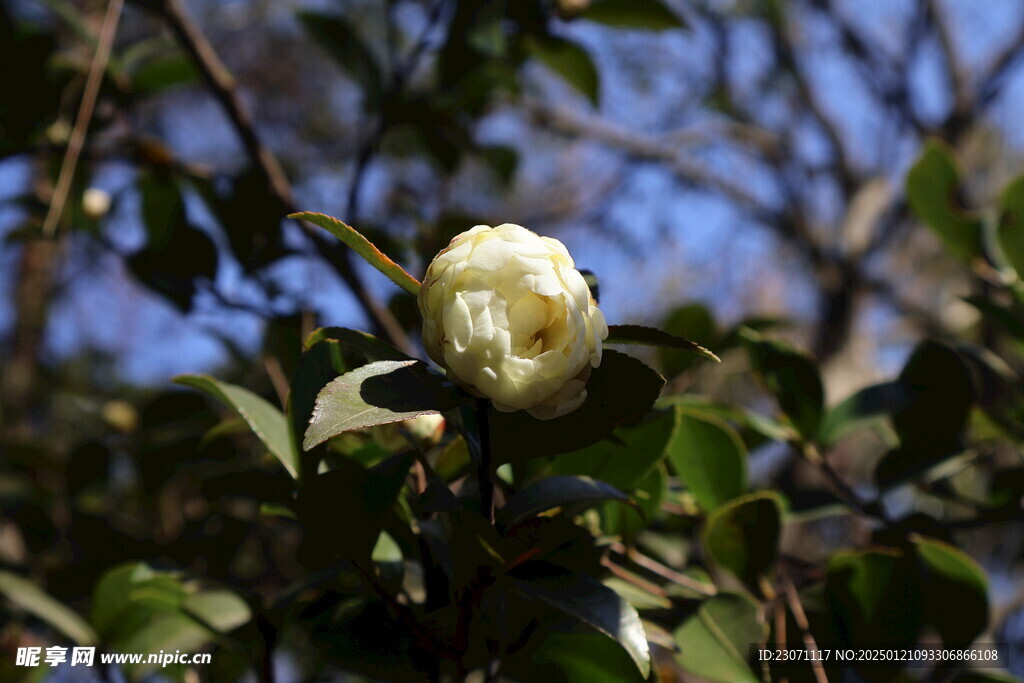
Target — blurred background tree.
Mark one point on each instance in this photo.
(743, 161)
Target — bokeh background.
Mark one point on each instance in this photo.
(711, 162)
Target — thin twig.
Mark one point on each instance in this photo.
(223, 86)
(661, 570)
(871, 509)
(801, 621)
(85, 110)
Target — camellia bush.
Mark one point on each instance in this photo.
(539, 505)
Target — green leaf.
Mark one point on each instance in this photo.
(642, 14)
(267, 422)
(873, 596)
(555, 492)
(139, 609)
(29, 597)
(865, 407)
(715, 641)
(1010, 231)
(378, 393)
(344, 44)
(163, 73)
(933, 188)
(362, 246)
(568, 60)
(617, 520)
(595, 605)
(691, 321)
(955, 591)
(218, 608)
(130, 594)
(621, 460)
(552, 655)
(650, 336)
(708, 456)
(939, 393)
(792, 376)
(621, 389)
(328, 352)
(742, 536)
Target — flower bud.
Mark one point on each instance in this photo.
(509, 317)
(95, 202)
(426, 429)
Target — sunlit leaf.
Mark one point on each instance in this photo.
(708, 456)
(28, 596)
(714, 642)
(375, 394)
(362, 246)
(268, 423)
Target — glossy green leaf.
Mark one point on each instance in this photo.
(1010, 231)
(268, 423)
(792, 376)
(347, 48)
(955, 591)
(643, 14)
(933, 189)
(558, 656)
(554, 492)
(328, 352)
(28, 596)
(377, 393)
(595, 605)
(708, 456)
(714, 642)
(621, 389)
(742, 536)
(568, 60)
(650, 336)
(362, 246)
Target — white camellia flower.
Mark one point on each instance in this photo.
(508, 315)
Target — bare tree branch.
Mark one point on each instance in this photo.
(92, 89)
(224, 88)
